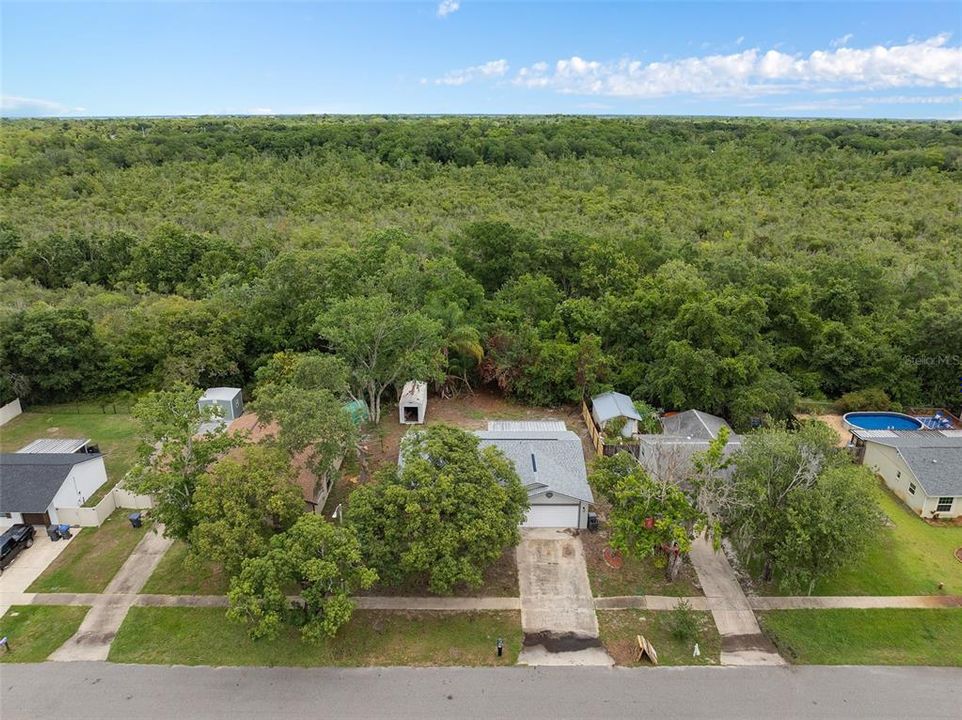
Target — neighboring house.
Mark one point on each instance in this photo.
(413, 403)
(669, 456)
(612, 405)
(922, 467)
(228, 403)
(551, 464)
(33, 485)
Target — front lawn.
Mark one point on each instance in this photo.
(204, 636)
(172, 577)
(500, 580)
(635, 576)
(867, 637)
(114, 433)
(92, 558)
(619, 630)
(35, 631)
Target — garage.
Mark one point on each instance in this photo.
(553, 516)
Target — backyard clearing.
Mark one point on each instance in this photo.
(866, 637)
(92, 559)
(619, 630)
(635, 576)
(115, 433)
(35, 631)
(204, 636)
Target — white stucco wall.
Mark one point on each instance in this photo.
(895, 472)
(14, 519)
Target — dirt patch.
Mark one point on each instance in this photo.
(560, 642)
(736, 643)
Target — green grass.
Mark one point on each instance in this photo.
(171, 577)
(204, 636)
(114, 433)
(619, 629)
(867, 637)
(35, 631)
(92, 559)
(910, 557)
(637, 576)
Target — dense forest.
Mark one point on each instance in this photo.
(730, 265)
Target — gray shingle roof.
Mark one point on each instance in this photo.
(558, 460)
(694, 424)
(611, 405)
(29, 481)
(938, 469)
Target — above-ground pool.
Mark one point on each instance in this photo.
(881, 421)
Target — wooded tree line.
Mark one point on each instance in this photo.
(729, 265)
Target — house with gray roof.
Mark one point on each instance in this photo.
(669, 456)
(610, 406)
(33, 485)
(551, 464)
(922, 467)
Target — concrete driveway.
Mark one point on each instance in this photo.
(557, 609)
(29, 564)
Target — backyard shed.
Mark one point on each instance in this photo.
(413, 403)
(228, 401)
(610, 406)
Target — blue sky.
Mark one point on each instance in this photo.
(855, 59)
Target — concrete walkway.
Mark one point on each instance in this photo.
(29, 565)
(742, 640)
(96, 632)
(557, 608)
(857, 602)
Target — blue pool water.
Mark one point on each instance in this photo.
(881, 421)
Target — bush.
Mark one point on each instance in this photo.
(868, 399)
(683, 622)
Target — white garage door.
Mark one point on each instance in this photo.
(552, 516)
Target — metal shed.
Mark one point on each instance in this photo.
(228, 401)
(413, 403)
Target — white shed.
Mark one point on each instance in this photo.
(228, 401)
(413, 403)
(612, 405)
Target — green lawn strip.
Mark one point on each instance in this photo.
(909, 557)
(500, 580)
(867, 637)
(636, 576)
(92, 559)
(620, 628)
(114, 433)
(204, 636)
(35, 631)
(172, 577)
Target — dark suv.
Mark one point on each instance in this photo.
(13, 541)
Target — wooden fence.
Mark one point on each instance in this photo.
(597, 441)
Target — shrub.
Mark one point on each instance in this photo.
(867, 399)
(683, 622)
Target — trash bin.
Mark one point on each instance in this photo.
(53, 532)
(135, 519)
(64, 531)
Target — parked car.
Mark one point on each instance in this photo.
(13, 541)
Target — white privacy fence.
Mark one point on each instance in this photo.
(119, 497)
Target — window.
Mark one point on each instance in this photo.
(6, 515)
(911, 488)
(945, 505)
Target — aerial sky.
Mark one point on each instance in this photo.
(825, 59)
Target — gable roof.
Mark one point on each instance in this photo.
(938, 469)
(693, 424)
(544, 460)
(29, 481)
(613, 404)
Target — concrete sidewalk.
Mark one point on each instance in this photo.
(742, 640)
(857, 602)
(96, 632)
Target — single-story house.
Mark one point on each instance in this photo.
(669, 455)
(922, 467)
(33, 485)
(551, 464)
(413, 403)
(611, 405)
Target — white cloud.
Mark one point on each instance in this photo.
(16, 106)
(841, 41)
(916, 63)
(261, 111)
(447, 7)
(489, 70)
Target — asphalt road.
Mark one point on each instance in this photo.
(102, 690)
